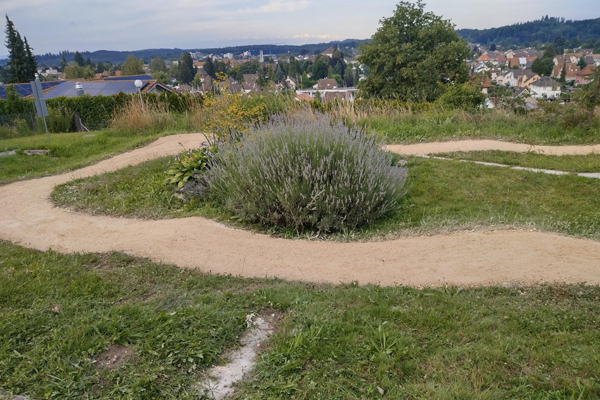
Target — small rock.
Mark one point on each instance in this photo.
(36, 152)
(8, 153)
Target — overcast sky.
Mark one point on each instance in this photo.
(53, 25)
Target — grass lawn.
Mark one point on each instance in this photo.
(59, 313)
(68, 151)
(432, 127)
(586, 163)
(441, 195)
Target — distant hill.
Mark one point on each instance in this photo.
(545, 30)
(119, 56)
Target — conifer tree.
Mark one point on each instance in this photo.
(17, 64)
(209, 67)
(31, 64)
(79, 59)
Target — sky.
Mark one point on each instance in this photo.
(54, 25)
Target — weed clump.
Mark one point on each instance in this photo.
(308, 173)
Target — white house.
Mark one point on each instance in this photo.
(545, 88)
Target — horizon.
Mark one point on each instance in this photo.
(200, 24)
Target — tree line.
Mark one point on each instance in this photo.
(569, 34)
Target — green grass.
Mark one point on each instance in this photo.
(452, 126)
(584, 163)
(441, 195)
(334, 342)
(68, 151)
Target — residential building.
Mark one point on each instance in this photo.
(545, 88)
(328, 52)
(325, 84)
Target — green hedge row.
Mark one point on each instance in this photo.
(96, 112)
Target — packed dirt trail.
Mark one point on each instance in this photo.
(28, 218)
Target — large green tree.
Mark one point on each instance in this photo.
(31, 64)
(79, 59)
(76, 71)
(21, 65)
(157, 64)
(413, 56)
(132, 66)
(185, 71)
(209, 67)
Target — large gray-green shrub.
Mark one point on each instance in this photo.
(307, 173)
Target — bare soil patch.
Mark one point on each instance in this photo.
(114, 357)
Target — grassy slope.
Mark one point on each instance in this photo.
(68, 151)
(587, 163)
(428, 128)
(335, 342)
(441, 195)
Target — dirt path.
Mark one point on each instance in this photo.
(27, 217)
(479, 145)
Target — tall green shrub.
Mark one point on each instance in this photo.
(306, 173)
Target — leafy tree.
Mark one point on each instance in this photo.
(493, 47)
(132, 66)
(157, 64)
(464, 96)
(414, 55)
(162, 77)
(320, 68)
(543, 66)
(582, 64)
(79, 59)
(76, 71)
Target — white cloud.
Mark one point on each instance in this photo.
(274, 6)
(311, 36)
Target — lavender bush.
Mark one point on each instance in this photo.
(307, 173)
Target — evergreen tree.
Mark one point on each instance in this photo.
(549, 53)
(292, 68)
(3, 75)
(17, 56)
(31, 65)
(349, 77)
(209, 67)
(185, 68)
(79, 59)
(63, 63)
(563, 74)
(582, 64)
(88, 61)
